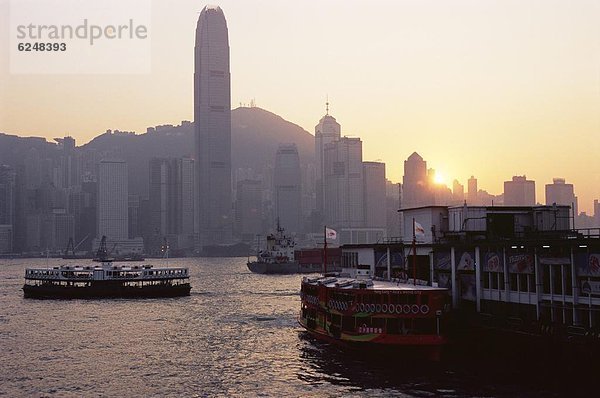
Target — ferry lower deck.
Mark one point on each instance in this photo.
(378, 314)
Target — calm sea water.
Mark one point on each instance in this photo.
(236, 335)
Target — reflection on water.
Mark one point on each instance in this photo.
(235, 335)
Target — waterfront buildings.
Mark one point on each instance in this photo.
(212, 118)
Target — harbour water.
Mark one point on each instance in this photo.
(236, 335)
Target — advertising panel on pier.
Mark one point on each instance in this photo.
(588, 264)
(520, 263)
(465, 261)
(493, 262)
(441, 260)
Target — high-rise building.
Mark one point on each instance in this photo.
(415, 187)
(248, 209)
(286, 188)
(7, 208)
(327, 131)
(171, 203)
(458, 192)
(344, 186)
(113, 195)
(519, 192)
(374, 194)
(472, 198)
(561, 193)
(7, 194)
(212, 118)
(596, 213)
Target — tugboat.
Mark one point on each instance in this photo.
(354, 310)
(106, 281)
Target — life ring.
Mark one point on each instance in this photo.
(406, 308)
(372, 307)
(424, 309)
(361, 307)
(392, 308)
(415, 309)
(345, 306)
(398, 309)
(384, 308)
(378, 307)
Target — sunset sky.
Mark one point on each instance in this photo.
(485, 88)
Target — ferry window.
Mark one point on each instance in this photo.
(523, 286)
(394, 299)
(556, 279)
(486, 280)
(494, 277)
(378, 322)
(393, 326)
(532, 286)
(568, 284)
(425, 299)
(514, 282)
(412, 299)
(545, 280)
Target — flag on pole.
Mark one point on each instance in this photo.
(330, 233)
(419, 230)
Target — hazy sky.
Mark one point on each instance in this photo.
(489, 88)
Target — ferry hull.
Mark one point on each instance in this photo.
(291, 267)
(104, 290)
(427, 348)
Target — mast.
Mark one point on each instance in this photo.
(414, 244)
(324, 249)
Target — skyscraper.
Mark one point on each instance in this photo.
(344, 184)
(212, 118)
(472, 191)
(286, 189)
(519, 192)
(415, 190)
(113, 219)
(171, 203)
(374, 194)
(561, 193)
(327, 131)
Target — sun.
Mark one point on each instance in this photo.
(439, 178)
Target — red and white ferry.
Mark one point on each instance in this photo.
(360, 311)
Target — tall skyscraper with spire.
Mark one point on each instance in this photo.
(212, 118)
(327, 131)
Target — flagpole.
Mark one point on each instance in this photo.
(414, 253)
(324, 249)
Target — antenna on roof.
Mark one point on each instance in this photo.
(327, 105)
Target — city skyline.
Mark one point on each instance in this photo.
(477, 89)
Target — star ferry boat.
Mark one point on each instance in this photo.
(363, 312)
(106, 280)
